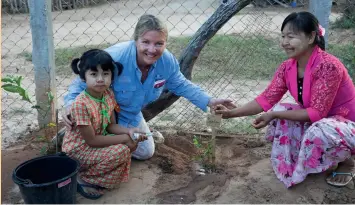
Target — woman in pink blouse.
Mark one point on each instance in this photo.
(317, 133)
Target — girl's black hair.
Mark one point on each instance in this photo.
(305, 22)
(91, 59)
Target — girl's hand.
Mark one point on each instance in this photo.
(131, 132)
(263, 120)
(223, 110)
(141, 138)
(132, 145)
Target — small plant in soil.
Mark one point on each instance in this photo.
(204, 153)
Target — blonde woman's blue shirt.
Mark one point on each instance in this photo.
(132, 95)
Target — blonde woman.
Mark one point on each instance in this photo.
(148, 68)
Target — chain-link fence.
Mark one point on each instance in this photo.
(237, 63)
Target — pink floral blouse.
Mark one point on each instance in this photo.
(327, 87)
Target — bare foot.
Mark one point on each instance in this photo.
(348, 166)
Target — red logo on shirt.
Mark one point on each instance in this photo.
(159, 83)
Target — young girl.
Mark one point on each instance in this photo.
(102, 147)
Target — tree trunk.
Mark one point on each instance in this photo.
(223, 13)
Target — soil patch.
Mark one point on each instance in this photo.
(176, 160)
(35, 144)
(10, 159)
(242, 174)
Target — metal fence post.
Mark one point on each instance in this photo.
(322, 10)
(43, 59)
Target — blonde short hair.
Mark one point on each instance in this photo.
(148, 22)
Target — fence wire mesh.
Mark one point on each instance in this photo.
(237, 63)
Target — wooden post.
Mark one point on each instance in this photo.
(322, 10)
(43, 59)
(213, 147)
(214, 122)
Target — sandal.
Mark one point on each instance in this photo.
(88, 195)
(352, 178)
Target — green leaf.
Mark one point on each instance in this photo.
(26, 97)
(7, 80)
(41, 138)
(50, 97)
(17, 89)
(196, 142)
(11, 88)
(18, 80)
(51, 124)
(23, 93)
(43, 150)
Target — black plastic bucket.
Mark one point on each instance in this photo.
(48, 180)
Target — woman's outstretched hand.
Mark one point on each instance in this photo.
(225, 111)
(225, 102)
(263, 120)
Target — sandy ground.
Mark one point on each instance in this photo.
(243, 174)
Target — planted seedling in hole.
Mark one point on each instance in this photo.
(204, 153)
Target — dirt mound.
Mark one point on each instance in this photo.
(242, 174)
(176, 158)
(175, 155)
(11, 158)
